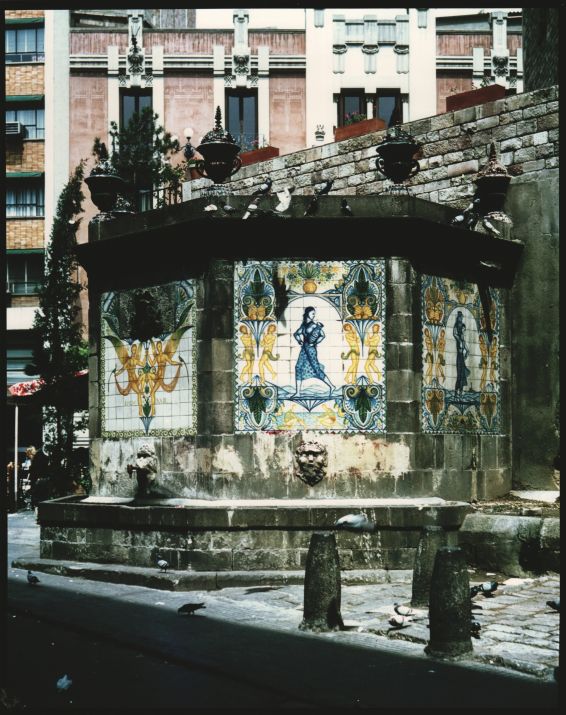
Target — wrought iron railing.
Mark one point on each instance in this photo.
(148, 199)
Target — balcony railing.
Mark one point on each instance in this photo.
(22, 287)
(149, 199)
(24, 57)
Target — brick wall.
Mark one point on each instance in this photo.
(455, 147)
(25, 78)
(24, 301)
(14, 14)
(25, 156)
(24, 233)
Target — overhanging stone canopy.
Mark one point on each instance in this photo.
(382, 225)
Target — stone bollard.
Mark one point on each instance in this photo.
(321, 610)
(432, 537)
(450, 608)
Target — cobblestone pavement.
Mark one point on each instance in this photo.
(518, 630)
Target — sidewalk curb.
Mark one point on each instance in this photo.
(196, 580)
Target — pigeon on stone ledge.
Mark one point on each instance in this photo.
(555, 605)
(188, 609)
(356, 522)
(162, 563)
(32, 579)
(264, 189)
(345, 208)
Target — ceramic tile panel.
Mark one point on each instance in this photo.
(460, 391)
(309, 343)
(148, 368)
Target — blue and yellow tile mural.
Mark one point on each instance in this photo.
(148, 361)
(309, 342)
(460, 391)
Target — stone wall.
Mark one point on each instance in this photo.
(455, 145)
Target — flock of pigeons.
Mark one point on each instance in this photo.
(253, 209)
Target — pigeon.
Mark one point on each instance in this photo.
(399, 621)
(261, 589)
(555, 605)
(403, 610)
(32, 579)
(345, 208)
(284, 197)
(313, 205)
(251, 208)
(211, 207)
(229, 209)
(264, 189)
(469, 216)
(188, 609)
(325, 187)
(163, 565)
(64, 683)
(475, 627)
(490, 227)
(356, 522)
(486, 588)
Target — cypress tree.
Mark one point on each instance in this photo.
(59, 350)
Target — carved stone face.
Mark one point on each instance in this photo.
(311, 462)
(146, 461)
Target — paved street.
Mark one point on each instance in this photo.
(247, 638)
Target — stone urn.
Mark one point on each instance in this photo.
(104, 186)
(220, 153)
(396, 156)
(492, 183)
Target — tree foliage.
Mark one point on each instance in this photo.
(141, 151)
(59, 350)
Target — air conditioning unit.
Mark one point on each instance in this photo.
(14, 129)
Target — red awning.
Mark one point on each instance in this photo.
(24, 389)
(30, 387)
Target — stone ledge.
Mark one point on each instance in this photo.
(200, 580)
(515, 545)
(233, 515)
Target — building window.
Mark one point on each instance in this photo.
(351, 102)
(24, 273)
(388, 106)
(241, 115)
(24, 200)
(33, 121)
(132, 102)
(25, 45)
